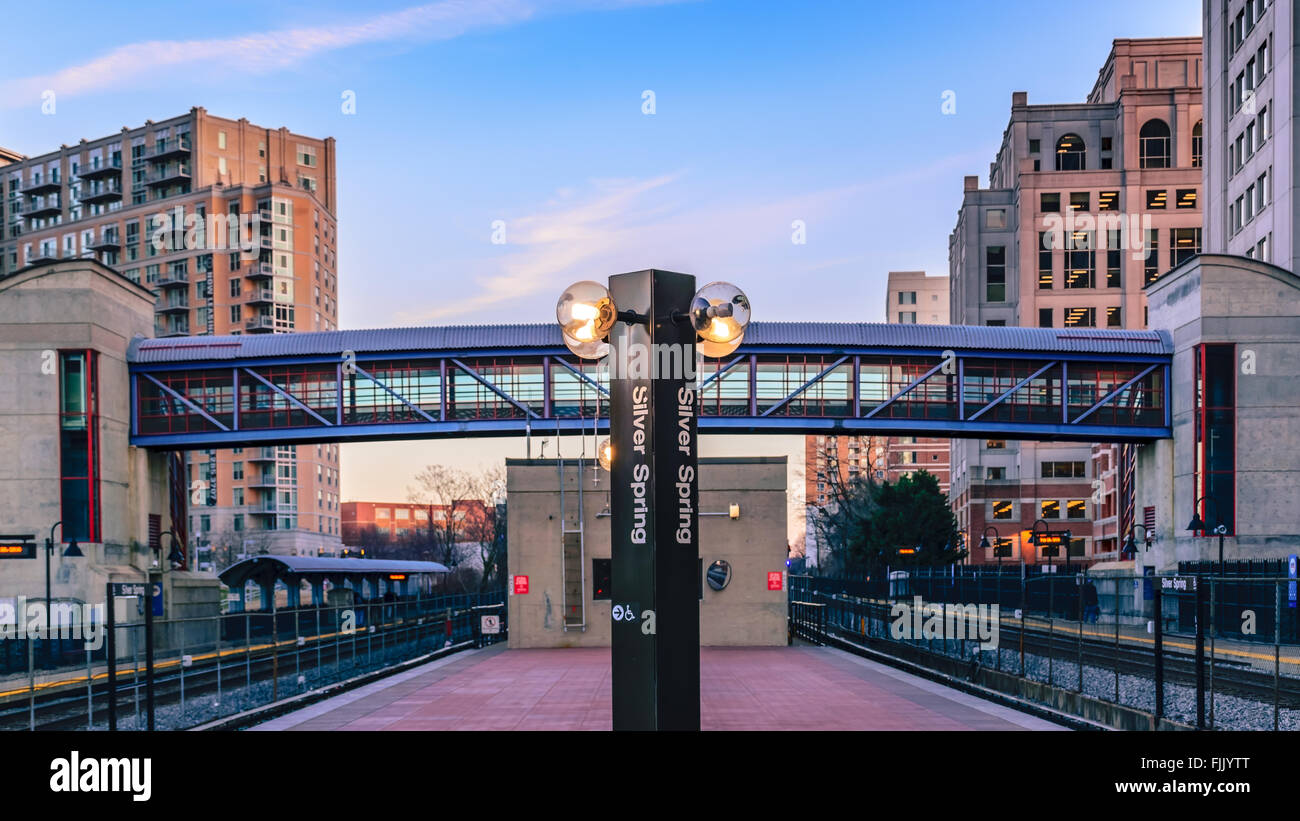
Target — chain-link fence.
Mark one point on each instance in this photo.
(1134, 641)
(101, 675)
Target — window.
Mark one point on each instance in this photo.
(1002, 510)
(1070, 153)
(1108, 201)
(1076, 509)
(1151, 265)
(237, 470)
(1044, 317)
(1185, 198)
(79, 445)
(1184, 243)
(1033, 146)
(307, 155)
(1196, 145)
(237, 522)
(235, 288)
(1064, 470)
(907, 297)
(1156, 199)
(1114, 259)
(996, 323)
(1080, 261)
(1049, 509)
(995, 218)
(221, 140)
(1214, 462)
(1080, 317)
(1114, 317)
(907, 317)
(997, 473)
(1049, 203)
(995, 444)
(995, 273)
(1080, 200)
(1044, 260)
(1153, 145)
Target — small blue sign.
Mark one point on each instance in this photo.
(157, 599)
(1291, 585)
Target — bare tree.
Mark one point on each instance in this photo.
(461, 508)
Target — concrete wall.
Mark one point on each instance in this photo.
(1217, 298)
(744, 613)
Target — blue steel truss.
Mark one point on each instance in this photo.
(795, 378)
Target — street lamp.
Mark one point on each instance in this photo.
(998, 550)
(72, 552)
(175, 556)
(1196, 524)
(1130, 547)
(644, 322)
(1033, 537)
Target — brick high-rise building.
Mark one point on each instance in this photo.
(135, 201)
(1086, 204)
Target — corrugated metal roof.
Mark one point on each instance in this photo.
(319, 565)
(547, 335)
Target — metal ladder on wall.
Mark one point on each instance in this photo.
(572, 560)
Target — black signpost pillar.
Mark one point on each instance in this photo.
(654, 501)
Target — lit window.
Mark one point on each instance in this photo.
(1002, 510)
(1050, 509)
(1077, 509)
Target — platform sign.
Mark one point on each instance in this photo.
(490, 625)
(128, 589)
(17, 547)
(774, 580)
(157, 598)
(521, 585)
(1178, 584)
(1291, 585)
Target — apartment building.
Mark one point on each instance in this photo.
(232, 226)
(1251, 198)
(1087, 203)
(911, 297)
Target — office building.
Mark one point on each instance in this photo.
(1086, 204)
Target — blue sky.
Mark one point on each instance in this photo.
(530, 112)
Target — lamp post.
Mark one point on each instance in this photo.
(72, 552)
(998, 550)
(1196, 524)
(1130, 546)
(642, 324)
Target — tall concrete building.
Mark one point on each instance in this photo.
(164, 204)
(1087, 203)
(1251, 198)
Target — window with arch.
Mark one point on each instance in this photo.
(1153, 145)
(1196, 145)
(1070, 153)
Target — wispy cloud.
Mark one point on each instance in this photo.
(265, 51)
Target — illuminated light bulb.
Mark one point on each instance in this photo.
(586, 312)
(717, 350)
(606, 454)
(720, 312)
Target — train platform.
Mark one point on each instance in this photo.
(741, 688)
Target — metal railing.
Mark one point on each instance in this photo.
(1191, 649)
(107, 675)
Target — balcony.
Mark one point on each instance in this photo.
(49, 209)
(260, 296)
(169, 277)
(173, 306)
(266, 479)
(265, 241)
(174, 147)
(260, 324)
(177, 329)
(100, 171)
(259, 270)
(108, 242)
(260, 455)
(47, 186)
(108, 193)
(168, 175)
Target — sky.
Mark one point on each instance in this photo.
(534, 118)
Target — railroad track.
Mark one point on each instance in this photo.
(1228, 676)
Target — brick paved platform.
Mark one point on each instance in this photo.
(767, 688)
